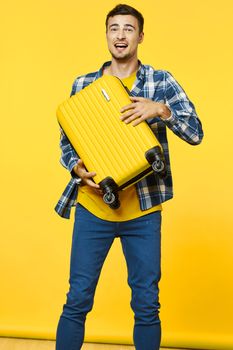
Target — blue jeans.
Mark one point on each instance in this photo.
(91, 241)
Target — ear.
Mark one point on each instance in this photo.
(141, 37)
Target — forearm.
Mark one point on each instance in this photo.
(183, 120)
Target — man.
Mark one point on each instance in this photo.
(160, 101)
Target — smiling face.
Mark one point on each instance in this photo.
(123, 37)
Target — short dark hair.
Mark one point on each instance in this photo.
(123, 9)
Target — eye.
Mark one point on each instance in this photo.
(129, 29)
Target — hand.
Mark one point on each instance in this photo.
(143, 108)
(86, 176)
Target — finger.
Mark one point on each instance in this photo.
(125, 108)
(138, 121)
(130, 113)
(126, 115)
(136, 98)
(91, 183)
(97, 191)
(132, 118)
(89, 174)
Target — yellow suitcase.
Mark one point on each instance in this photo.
(119, 153)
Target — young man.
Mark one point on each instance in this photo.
(160, 100)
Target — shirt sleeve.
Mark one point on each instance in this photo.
(183, 121)
(69, 157)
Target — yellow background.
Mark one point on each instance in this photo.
(44, 45)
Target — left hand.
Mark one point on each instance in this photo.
(143, 108)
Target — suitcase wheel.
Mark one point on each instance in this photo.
(112, 200)
(158, 165)
(110, 195)
(116, 204)
(109, 198)
(155, 158)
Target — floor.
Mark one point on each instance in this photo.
(31, 344)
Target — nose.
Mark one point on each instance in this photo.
(121, 34)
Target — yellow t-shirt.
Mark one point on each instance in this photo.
(129, 208)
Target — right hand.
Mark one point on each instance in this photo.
(86, 176)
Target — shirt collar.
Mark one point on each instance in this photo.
(137, 89)
(140, 72)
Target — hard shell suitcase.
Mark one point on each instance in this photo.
(120, 154)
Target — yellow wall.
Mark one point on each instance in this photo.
(45, 44)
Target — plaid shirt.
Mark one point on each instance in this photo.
(160, 86)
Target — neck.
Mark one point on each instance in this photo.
(122, 69)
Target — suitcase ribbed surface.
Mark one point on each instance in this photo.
(108, 146)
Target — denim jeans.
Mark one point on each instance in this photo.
(91, 241)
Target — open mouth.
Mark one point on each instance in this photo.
(120, 46)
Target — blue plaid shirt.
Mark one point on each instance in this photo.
(160, 86)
